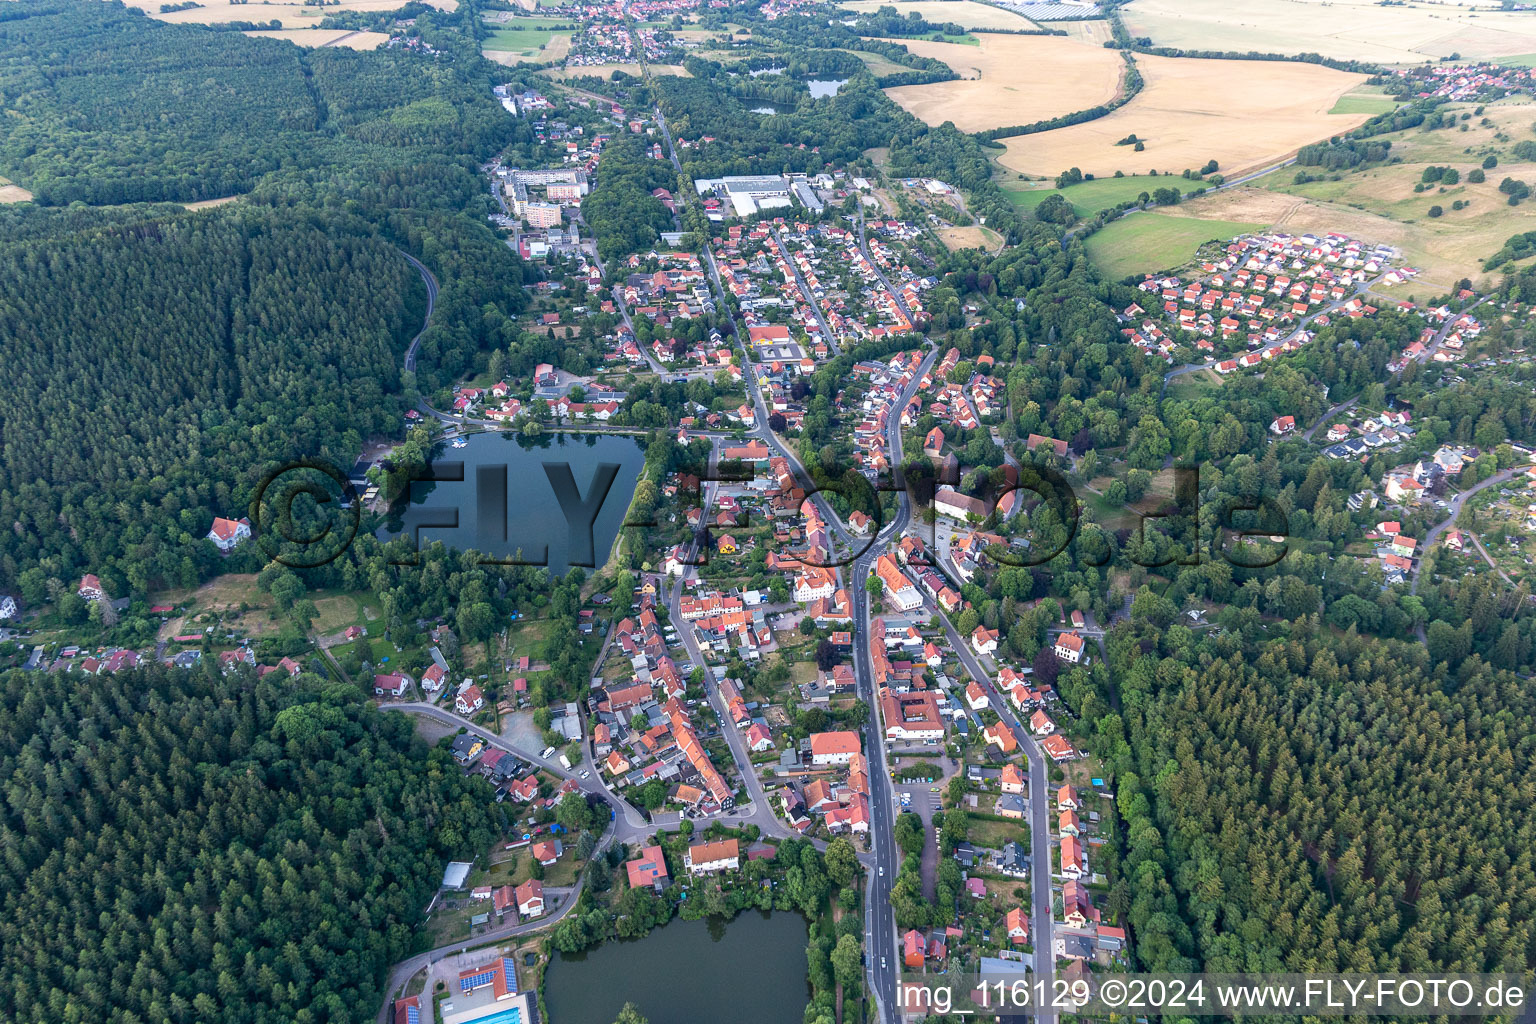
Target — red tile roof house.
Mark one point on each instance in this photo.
(546, 852)
(648, 869)
(394, 684)
(1017, 924)
(913, 949)
(707, 858)
(504, 899)
(833, 747)
(530, 898)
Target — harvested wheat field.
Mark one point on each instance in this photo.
(289, 14)
(1011, 80)
(1243, 114)
(1344, 29)
(13, 193)
(960, 12)
(315, 38)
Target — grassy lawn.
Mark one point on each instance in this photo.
(1147, 242)
(524, 36)
(877, 64)
(1367, 99)
(994, 834)
(1090, 197)
(1190, 386)
(338, 611)
(1521, 60)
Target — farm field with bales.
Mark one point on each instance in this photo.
(1011, 80)
(1243, 114)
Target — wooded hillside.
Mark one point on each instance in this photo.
(184, 847)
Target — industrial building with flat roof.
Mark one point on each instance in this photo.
(749, 194)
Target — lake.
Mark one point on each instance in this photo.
(748, 971)
(822, 88)
(505, 498)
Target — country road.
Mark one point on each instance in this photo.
(403, 971)
(1503, 476)
(431, 282)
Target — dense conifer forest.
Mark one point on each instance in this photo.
(1325, 803)
(185, 847)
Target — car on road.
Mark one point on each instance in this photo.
(882, 963)
(585, 774)
(882, 870)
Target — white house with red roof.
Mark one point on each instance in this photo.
(227, 534)
(530, 899)
(1068, 647)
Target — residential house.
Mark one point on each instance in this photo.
(913, 949)
(530, 899)
(833, 747)
(1013, 779)
(648, 869)
(1068, 647)
(1074, 864)
(1016, 922)
(391, 684)
(469, 699)
(709, 858)
(227, 534)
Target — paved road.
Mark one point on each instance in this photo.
(1445, 331)
(403, 971)
(1330, 414)
(864, 248)
(1234, 183)
(1360, 289)
(1453, 511)
(805, 290)
(1039, 813)
(426, 321)
(634, 824)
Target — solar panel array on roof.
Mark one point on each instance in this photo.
(413, 1015)
(509, 969)
(474, 981)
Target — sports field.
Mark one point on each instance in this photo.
(1243, 114)
(1146, 242)
(1412, 33)
(1011, 80)
(314, 38)
(961, 12)
(290, 13)
(972, 237)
